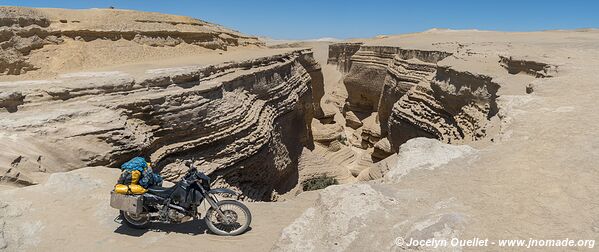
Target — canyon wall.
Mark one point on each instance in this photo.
(248, 122)
(396, 94)
(244, 122)
(456, 106)
(374, 68)
(340, 54)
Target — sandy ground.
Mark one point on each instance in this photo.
(71, 60)
(71, 212)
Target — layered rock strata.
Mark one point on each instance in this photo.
(455, 107)
(405, 93)
(23, 30)
(340, 54)
(245, 122)
(534, 68)
(377, 68)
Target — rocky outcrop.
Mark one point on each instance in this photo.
(18, 38)
(245, 122)
(534, 68)
(371, 131)
(326, 133)
(317, 83)
(364, 81)
(23, 30)
(393, 70)
(412, 116)
(382, 149)
(456, 106)
(360, 217)
(408, 95)
(11, 100)
(340, 54)
(403, 74)
(424, 153)
(352, 121)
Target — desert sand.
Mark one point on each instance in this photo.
(441, 134)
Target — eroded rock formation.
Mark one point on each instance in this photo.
(456, 106)
(250, 123)
(534, 68)
(360, 217)
(393, 69)
(404, 93)
(23, 30)
(247, 122)
(340, 54)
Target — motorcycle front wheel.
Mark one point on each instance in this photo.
(235, 218)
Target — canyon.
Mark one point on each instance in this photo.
(439, 134)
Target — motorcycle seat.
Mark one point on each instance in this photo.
(161, 191)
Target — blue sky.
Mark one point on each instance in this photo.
(350, 19)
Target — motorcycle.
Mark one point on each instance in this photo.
(180, 203)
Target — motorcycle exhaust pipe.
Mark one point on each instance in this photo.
(178, 208)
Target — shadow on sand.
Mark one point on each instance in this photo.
(193, 227)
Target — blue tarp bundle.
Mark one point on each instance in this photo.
(148, 178)
(135, 164)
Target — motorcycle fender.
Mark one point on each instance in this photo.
(222, 191)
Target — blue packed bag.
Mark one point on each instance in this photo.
(135, 164)
(148, 177)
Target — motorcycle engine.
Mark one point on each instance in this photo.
(175, 216)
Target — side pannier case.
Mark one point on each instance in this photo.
(128, 203)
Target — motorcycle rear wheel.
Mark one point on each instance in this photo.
(236, 219)
(137, 221)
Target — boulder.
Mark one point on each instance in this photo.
(326, 133)
(425, 153)
(382, 149)
(352, 121)
(360, 217)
